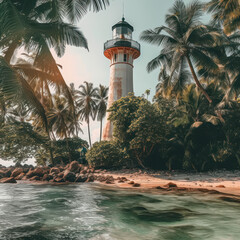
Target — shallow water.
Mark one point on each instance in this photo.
(89, 212)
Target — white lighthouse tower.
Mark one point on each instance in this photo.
(121, 51)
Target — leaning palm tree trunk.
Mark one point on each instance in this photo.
(197, 81)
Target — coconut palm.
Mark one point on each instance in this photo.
(101, 102)
(186, 42)
(147, 92)
(36, 26)
(226, 13)
(60, 118)
(86, 104)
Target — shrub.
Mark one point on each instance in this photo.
(105, 155)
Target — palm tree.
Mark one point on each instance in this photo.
(36, 26)
(60, 117)
(86, 104)
(185, 40)
(147, 92)
(225, 13)
(101, 102)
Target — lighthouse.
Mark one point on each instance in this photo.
(121, 50)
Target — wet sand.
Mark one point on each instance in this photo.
(227, 182)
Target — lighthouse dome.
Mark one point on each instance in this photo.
(122, 30)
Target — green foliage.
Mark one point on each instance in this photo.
(122, 113)
(105, 155)
(147, 129)
(18, 141)
(61, 151)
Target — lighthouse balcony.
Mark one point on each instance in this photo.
(118, 42)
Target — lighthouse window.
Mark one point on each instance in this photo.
(115, 57)
(125, 57)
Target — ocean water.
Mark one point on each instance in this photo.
(86, 211)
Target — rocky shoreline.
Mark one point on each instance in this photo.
(73, 172)
(164, 182)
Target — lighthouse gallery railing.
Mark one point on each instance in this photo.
(118, 42)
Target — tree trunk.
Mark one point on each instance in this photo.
(101, 130)
(89, 134)
(197, 81)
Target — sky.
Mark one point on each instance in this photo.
(80, 65)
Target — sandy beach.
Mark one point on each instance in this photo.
(227, 182)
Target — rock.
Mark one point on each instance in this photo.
(58, 180)
(47, 177)
(61, 174)
(54, 170)
(90, 178)
(38, 172)
(81, 178)
(20, 176)
(74, 167)
(84, 171)
(120, 181)
(2, 174)
(8, 173)
(25, 170)
(35, 172)
(8, 180)
(170, 185)
(24, 178)
(131, 182)
(69, 176)
(101, 178)
(109, 182)
(136, 185)
(220, 186)
(160, 188)
(35, 178)
(30, 173)
(16, 172)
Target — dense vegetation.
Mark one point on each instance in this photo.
(193, 122)
(40, 115)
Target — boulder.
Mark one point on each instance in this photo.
(16, 172)
(170, 185)
(25, 170)
(8, 180)
(90, 178)
(47, 177)
(39, 172)
(35, 178)
(36, 172)
(2, 174)
(74, 167)
(20, 176)
(58, 180)
(81, 178)
(69, 176)
(8, 173)
(136, 185)
(24, 178)
(84, 171)
(61, 174)
(30, 173)
(54, 170)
